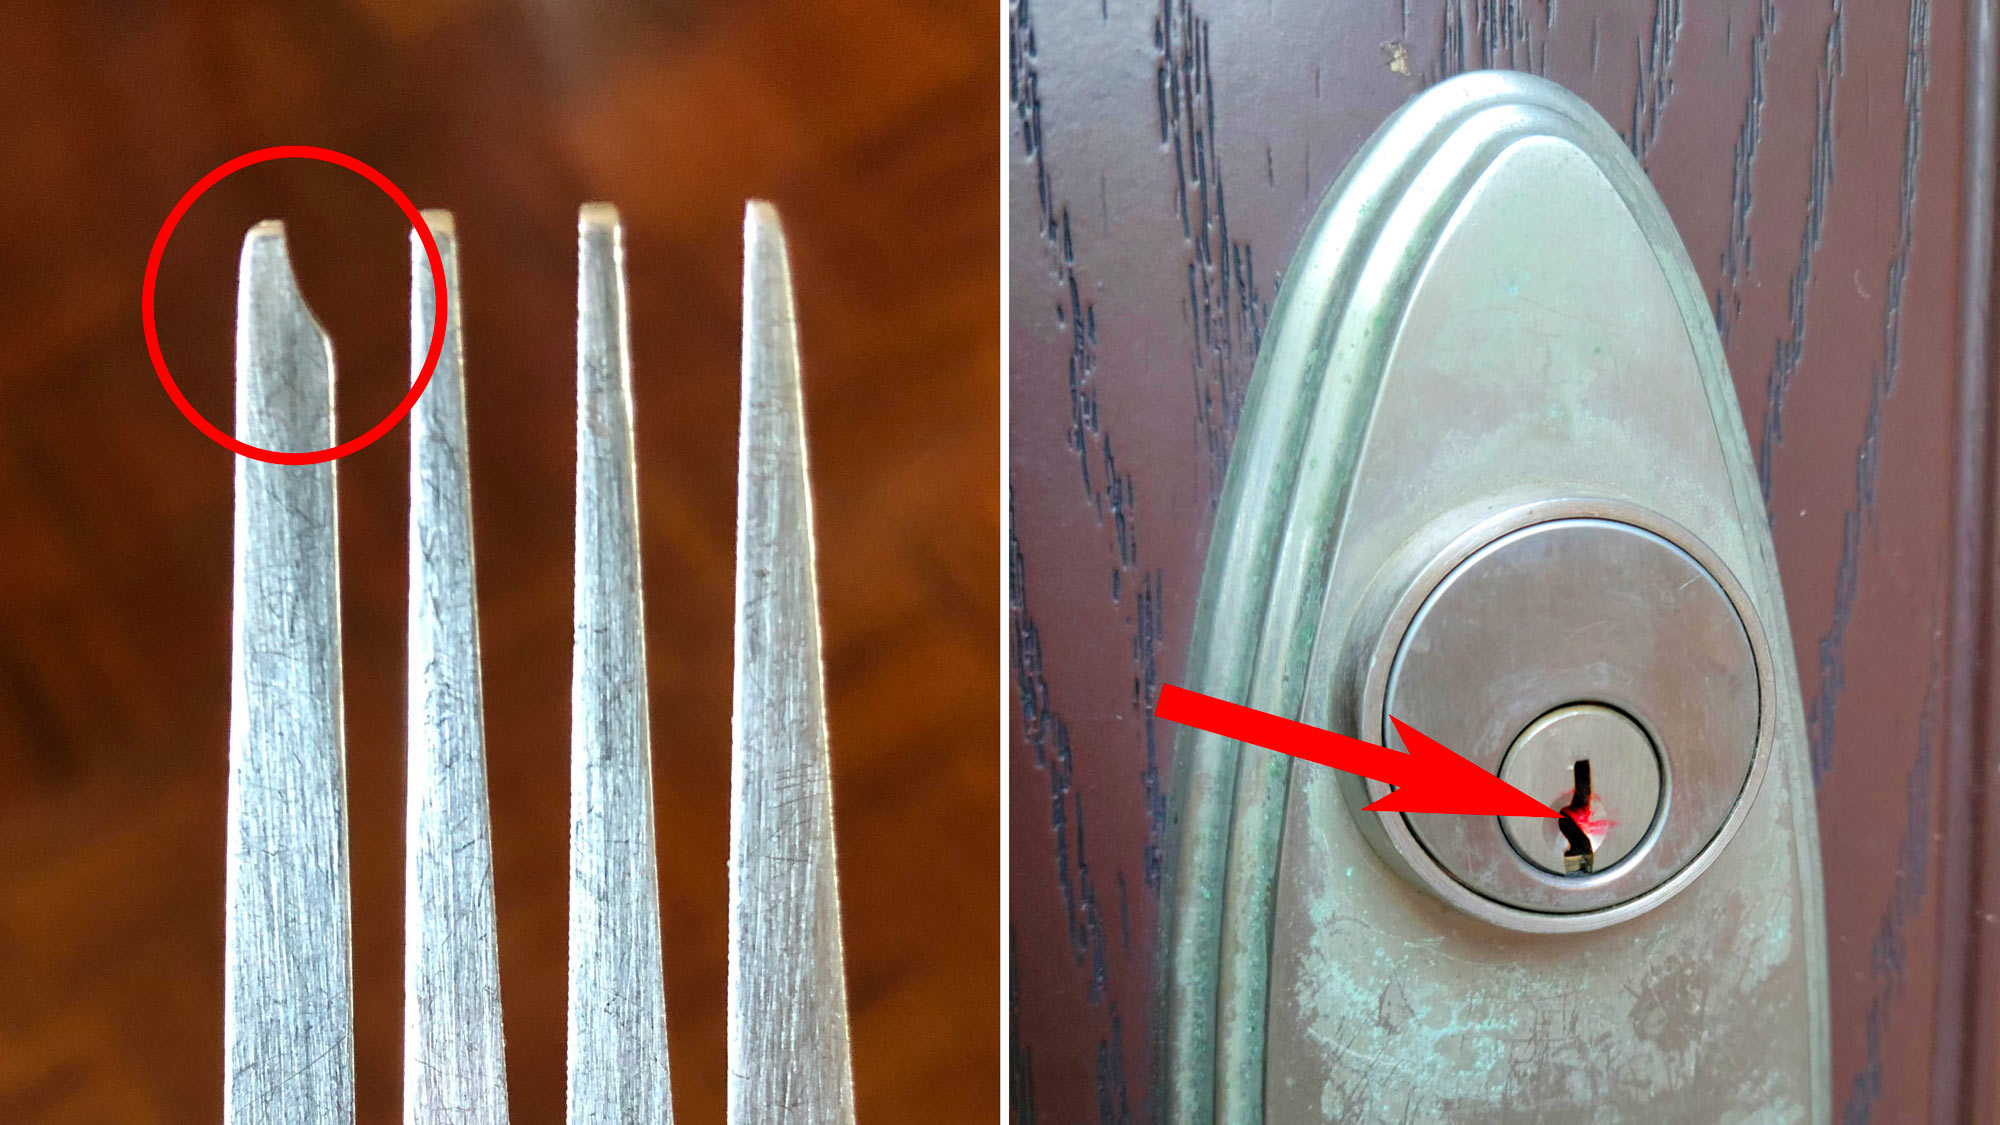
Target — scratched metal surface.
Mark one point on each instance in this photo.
(288, 1000)
(1164, 159)
(454, 1056)
(871, 124)
(617, 989)
(788, 1050)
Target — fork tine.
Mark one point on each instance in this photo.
(617, 991)
(454, 1058)
(788, 1042)
(288, 1025)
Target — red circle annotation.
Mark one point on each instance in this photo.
(423, 379)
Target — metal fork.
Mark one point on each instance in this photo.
(288, 1027)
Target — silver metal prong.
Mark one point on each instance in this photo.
(788, 1041)
(454, 1057)
(617, 991)
(288, 992)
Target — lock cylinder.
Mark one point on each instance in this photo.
(1601, 659)
(1598, 769)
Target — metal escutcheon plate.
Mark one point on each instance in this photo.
(1491, 326)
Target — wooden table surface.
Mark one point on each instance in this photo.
(870, 123)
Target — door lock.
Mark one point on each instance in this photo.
(1491, 479)
(1562, 632)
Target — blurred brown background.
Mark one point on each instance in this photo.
(871, 124)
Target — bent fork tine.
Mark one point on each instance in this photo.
(788, 1042)
(617, 989)
(454, 1058)
(288, 1041)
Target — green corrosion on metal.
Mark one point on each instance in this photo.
(1302, 977)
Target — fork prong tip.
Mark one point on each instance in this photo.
(265, 247)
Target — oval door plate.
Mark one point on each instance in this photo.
(1490, 315)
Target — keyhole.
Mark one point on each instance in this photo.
(1580, 856)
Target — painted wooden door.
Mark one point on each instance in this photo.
(1828, 166)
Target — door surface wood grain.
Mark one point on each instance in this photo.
(1828, 166)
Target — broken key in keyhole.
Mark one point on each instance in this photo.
(1580, 852)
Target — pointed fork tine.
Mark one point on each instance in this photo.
(288, 1039)
(788, 1042)
(617, 991)
(454, 1059)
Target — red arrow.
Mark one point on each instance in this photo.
(1430, 778)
